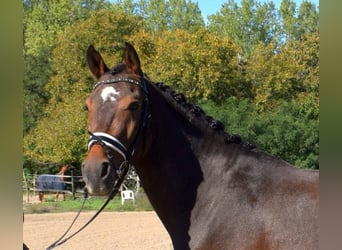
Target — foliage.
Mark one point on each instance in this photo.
(253, 66)
(200, 64)
(60, 135)
(37, 72)
(290, 73)
(253, 22)
(43, 21)
(247, 25)
(161, 15)
(290, 131)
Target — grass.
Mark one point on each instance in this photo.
(91, 204)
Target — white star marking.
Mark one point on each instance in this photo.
(109, 94)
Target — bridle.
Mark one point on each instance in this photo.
(110, 144)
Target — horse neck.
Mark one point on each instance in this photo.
(172, 167)
(61, 173)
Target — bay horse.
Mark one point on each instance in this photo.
(210, 189)
(52, 182)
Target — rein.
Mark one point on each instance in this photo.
(124, 170)
(110, 143)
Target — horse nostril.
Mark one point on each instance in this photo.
(105, 169)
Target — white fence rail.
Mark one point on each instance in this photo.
(72, 184)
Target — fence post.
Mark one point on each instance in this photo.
(26, 187)
(34, 183)
(73, 185)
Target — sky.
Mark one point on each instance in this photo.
(209, 7)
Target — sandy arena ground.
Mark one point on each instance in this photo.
(109, 231)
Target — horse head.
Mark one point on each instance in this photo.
(64, 168)
(115, 108)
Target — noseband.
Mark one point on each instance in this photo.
(109, 143)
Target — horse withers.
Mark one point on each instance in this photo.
(210, 189)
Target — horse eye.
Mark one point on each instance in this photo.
(133, 106)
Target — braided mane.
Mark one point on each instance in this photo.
(190, 110)
(194, 111)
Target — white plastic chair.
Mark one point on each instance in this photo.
(127, 195)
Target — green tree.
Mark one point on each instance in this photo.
(200, 64)
(252, 22)
(307, 22)
(156, 14)
(128, 7)
(291, 73)
(161, 15)
(297, 22)
(290, 131)
(37, 71)
(277, 81)
(60, 136)
(185, 15)
(43, 21)
(287, 13)
(248, 25)
(274, 75)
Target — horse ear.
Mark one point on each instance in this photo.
(132, 60)
(95, 62)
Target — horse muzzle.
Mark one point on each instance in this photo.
(98, 170)
(98, 173)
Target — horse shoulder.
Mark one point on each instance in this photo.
(260, 196)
